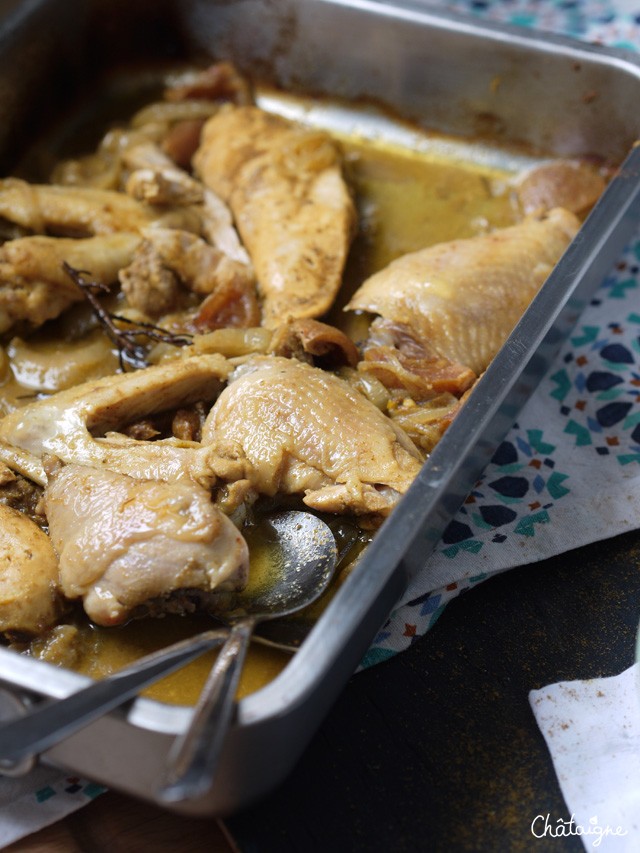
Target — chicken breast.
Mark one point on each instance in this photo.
(33, 284)
(124, 542)
(30, 598)
(62, 424)
(464, 297)
(305, 431)
(295, 216)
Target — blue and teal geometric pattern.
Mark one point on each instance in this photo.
(589, 435)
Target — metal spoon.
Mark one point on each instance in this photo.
(288, 634)
(308, 563)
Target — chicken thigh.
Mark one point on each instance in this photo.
(463, 298)
(305, 431)
(125, 542)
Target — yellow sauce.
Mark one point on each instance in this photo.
(408, 201)
(110, 649)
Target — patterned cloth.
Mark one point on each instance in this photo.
(549, 489)
(616, 23)
(40, 799)
(568, 472)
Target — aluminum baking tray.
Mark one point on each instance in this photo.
(454, 75)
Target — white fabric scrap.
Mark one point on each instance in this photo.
(43, 797)
(592, 730)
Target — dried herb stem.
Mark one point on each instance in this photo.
(131, 352)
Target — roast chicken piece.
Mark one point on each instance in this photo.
(571, 184)
(292, 208)
(72, 211)
(33, 284)
(169, 260)
(30, 598)
(62, 425)
(156, 179)
(305, 431)
(124, 542)
(463, 298)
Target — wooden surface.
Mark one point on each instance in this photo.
(434, 750)
(113, 823)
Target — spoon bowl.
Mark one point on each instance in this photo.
(308, 557)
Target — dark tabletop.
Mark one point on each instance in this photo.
(437, 749)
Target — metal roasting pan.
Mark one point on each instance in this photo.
(452, 74)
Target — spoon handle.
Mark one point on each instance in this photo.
(194, 756)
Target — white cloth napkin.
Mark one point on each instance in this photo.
(592, 730)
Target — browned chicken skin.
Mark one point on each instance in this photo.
(292, 208)
(305, 431)
(30, 598)
(125, 542)
(463, 298)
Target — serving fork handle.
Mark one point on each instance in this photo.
(51, 722)
(195, 754)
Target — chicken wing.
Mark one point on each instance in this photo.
(33, 284)
(200, 266)
(155, 179)
(285, 187)
(305, 431)
(62, 424)
(464, 297)
(74, 211)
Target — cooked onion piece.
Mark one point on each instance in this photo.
(55, 365)
(233, 342)
(426, 421)
(314, 342)
(168, 112)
